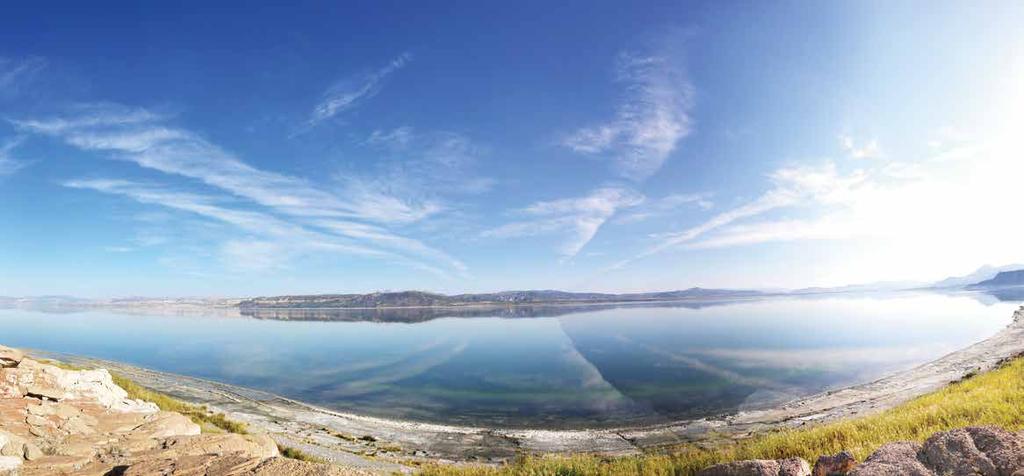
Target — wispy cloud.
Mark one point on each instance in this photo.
(270, 242)
(580, 217)
(416, 161)
(8, 164)
(14, 73)
(650, 121)
(667, 205)
(349, 92)
(144, 138)
(790, 186)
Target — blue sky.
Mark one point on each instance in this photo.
(184, 149)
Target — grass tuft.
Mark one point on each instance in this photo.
(209, 421)
(993, 398)
(295, 453)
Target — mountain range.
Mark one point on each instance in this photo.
(983, 273)
(425, 299)
(984, 278)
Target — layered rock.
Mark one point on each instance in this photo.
(66, 422)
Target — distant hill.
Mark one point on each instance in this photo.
(881, 286)
(1003, 279)
(425, 299)
(983, 273)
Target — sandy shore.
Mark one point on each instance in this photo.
(390, 445)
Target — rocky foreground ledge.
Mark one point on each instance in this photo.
(78, 422)
(986, 451)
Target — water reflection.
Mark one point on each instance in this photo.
(541, 366)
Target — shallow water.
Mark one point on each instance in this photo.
(578, 368)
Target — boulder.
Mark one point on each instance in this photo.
(759, 467)
(893, 459)
(1004, 449)
(10, 357)
(954, 453)
(839, 463)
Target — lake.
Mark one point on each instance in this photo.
(567, 368)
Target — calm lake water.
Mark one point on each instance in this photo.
(603, 367)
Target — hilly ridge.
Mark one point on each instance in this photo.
(426, 299)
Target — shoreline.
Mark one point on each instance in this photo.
(388, 445)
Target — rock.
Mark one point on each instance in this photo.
(54, 383)
(10, 357)
(291, 467)
(11, 445)
(248, 446)
(759, 467)
(13, 382)
(77, 425)
(953, 453)
(232, 465)
(64, 411)
(42, 409)
(164, 425)
(87, 425)
(898, 458)
(1004, 449)
(44, 392)
(32, 452)
(754, 467)
(840, 463)
(794, 467)
(36, 420)
(9, 465)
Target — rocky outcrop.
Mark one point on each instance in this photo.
(839, 463)
(55, 421)
(894, 458)
(50, 383)
(10, 357)
(971, 451)
(760, 467)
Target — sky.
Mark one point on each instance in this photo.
(189, 149)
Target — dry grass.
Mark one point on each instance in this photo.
(209, 421)
(295, 453)
(994, 398)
